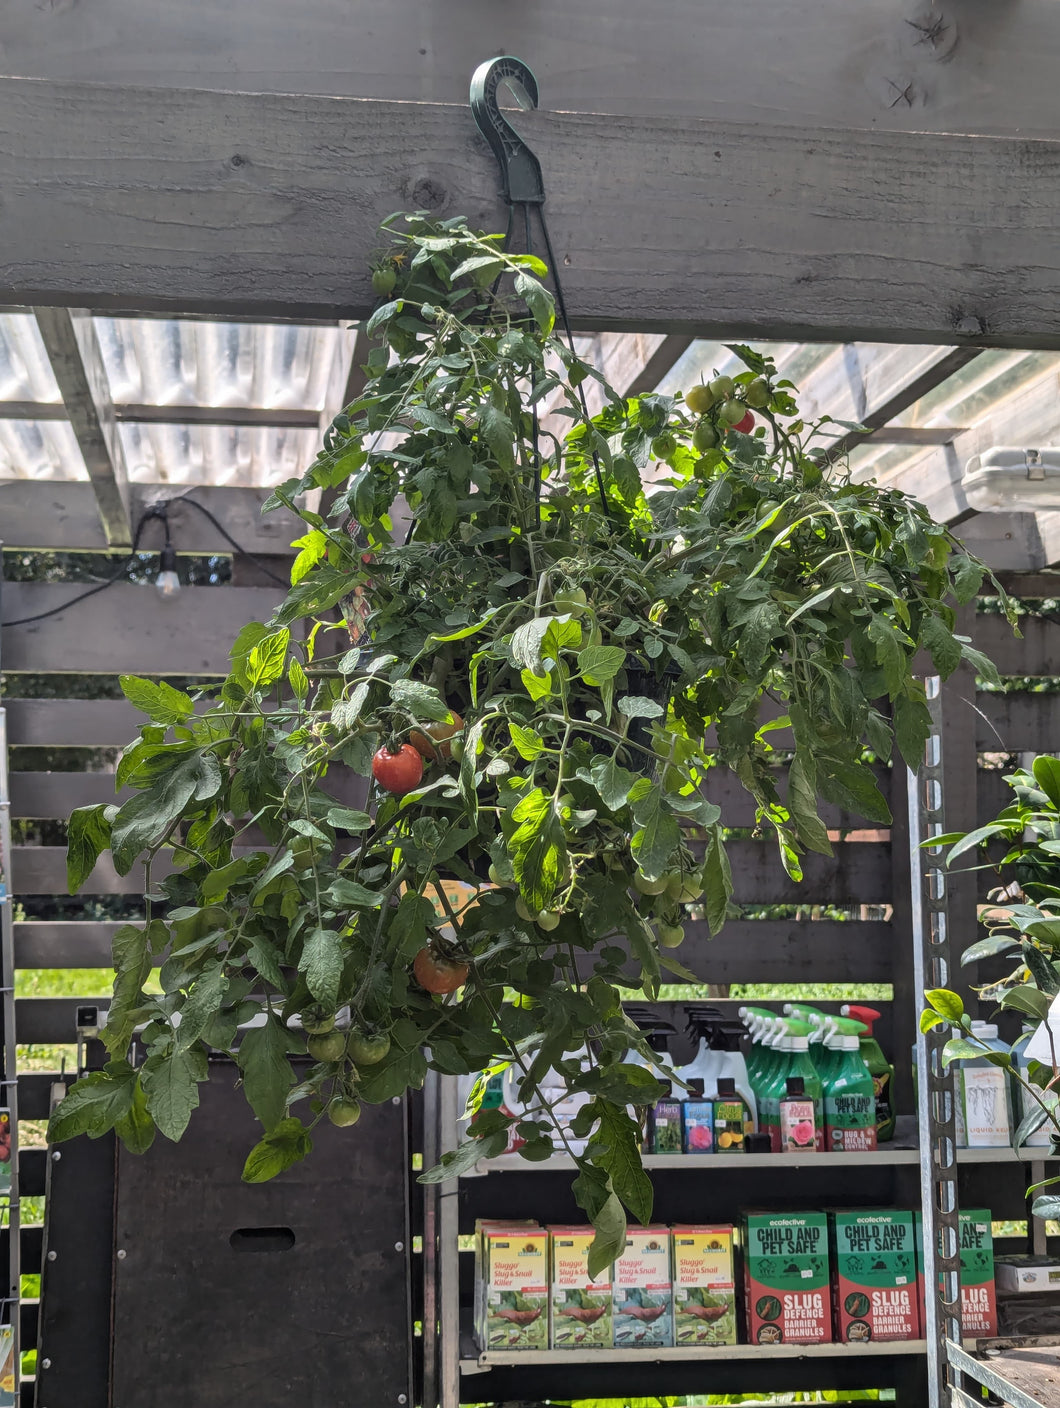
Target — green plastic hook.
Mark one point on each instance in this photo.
(522, 182)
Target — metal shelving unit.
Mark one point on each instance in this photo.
(9, 1198)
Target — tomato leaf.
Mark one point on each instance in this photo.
(88, 836)
(267, 1073)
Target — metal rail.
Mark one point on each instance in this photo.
(936, 1110)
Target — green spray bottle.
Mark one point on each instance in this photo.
(880, 1069)
(793, 1060)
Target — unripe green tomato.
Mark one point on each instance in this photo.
(758, 393)
(495, 875)
(344, 1111)
(548, 920)
(670, 935)
(327, 1046)
(383, 281)
(732, 411)
(524, 911)
(684, 888)
(644, 886)
(765, 508)
(705, 436)
(317, 1020)
(721, 388)
(368, 1048)
(663, 446)
(456, 749)
(571, 601)
(699, 399)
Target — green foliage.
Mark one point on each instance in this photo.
(589, 634)
(1024, 925)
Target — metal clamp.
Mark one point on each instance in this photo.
(1035, 467)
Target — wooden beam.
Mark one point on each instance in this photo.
(60, 515)
(253, 417)
(1037, 653)
(916, 434)
(74, 723)
(229, 202)
(1015, 723)
(129, 629)
(894, 398)
(48, 1021)
(56, 794)
(77, 361)
(789, 951)
(41, 870)
(972, 68)
(64, 944)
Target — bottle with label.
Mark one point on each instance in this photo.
(984, 1096)
(849, 1100)
(881, 1070)
(657, 1036)
(697, 1120)
(730, 1118)
(798, 1128)
(664, 1124)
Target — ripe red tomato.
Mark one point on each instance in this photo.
(398, 772)
(747, 424)
(437, 973)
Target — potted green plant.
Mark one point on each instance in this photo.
(1024, 926)
(529, 675)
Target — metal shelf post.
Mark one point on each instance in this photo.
(936, 1103)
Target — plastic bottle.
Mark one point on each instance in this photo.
(706, 1064)
(984, 1096)
(731, 1118)
(664, 1124)
(657, 1037)
(798, 1132)
(1023, 1103)
(734, 1067)
(793, 1060)
(765, 1028)
(821, 1025)
(849, 1099)
(881, 1070)
(697, 1120)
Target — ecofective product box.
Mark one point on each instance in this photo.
(874, 1276)
(580, 1307)
(642, 1290)
(978, 1299)
(511, 1286)
(704, 1285)
(786, 1278)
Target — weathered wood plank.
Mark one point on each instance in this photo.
(47, 1020)
(56, 794)
(34, 1094)
(76, 358)
(860, 873)
(32, 1166)
(875, 64)
(1038, 653)
(41, 870)
(129, 629)
(782, 951)
(1017, 723)
(61, 515)
(229, 202)
(80, 723)
(64, 943)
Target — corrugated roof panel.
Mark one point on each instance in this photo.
(206, 454)
(203, 362)
(25, 372)
(39, 449)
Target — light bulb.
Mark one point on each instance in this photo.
(167, 583)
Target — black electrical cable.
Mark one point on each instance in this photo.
(122, 571)
(187, 499)
(153, 511)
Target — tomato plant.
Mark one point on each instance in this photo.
(591, 650)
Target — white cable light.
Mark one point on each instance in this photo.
(167, 583)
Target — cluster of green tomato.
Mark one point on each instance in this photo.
(327, 1044)
(721, 406)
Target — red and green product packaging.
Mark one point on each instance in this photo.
(512, 1286)
(786, 1281)
(978, 1297)
(874, 1276)
(642, 1290)
(704, 1285)
(580, 1305)
(798, 1131)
